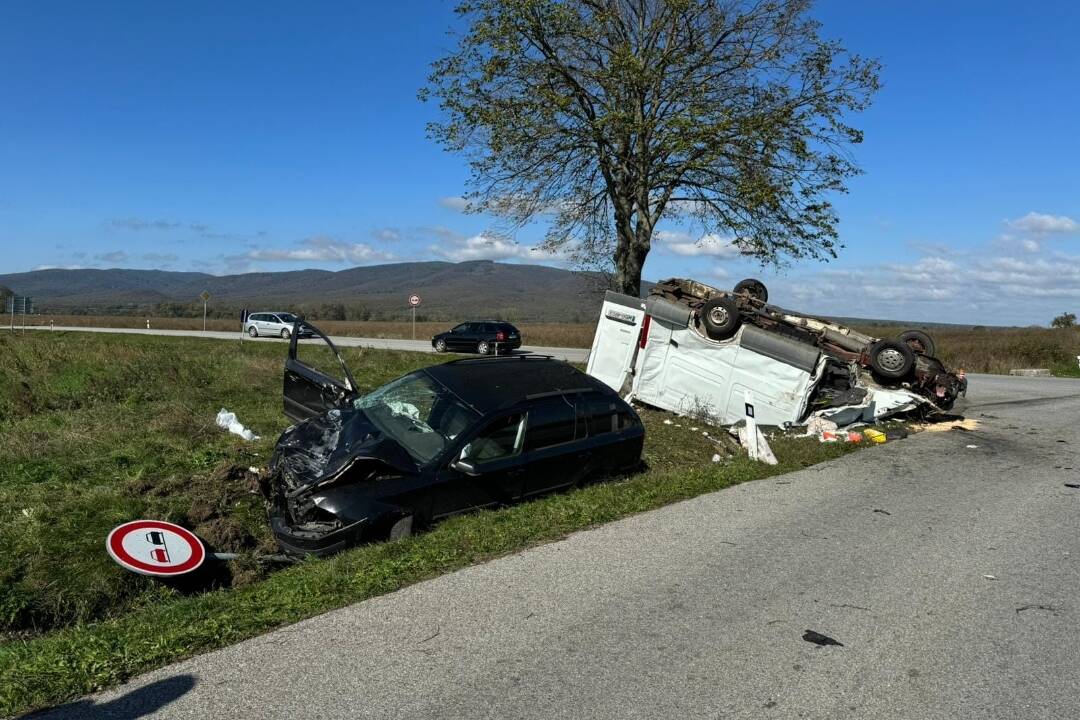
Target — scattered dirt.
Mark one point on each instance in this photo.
(965, 424)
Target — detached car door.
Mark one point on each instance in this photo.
(316, 378)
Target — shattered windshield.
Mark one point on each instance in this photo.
(421, 415)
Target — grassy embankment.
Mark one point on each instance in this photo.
(989, 350)
(101, 429)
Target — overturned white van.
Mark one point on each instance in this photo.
(657, 351)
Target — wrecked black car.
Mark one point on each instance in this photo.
(439, 441)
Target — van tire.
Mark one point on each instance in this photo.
(919, 342)
(754, 288)
(891, 360)
(720, 317)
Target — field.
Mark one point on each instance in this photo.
(101, 429)
(976, 350)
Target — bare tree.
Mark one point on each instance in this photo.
(607, 115)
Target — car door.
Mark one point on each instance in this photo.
(317, 378)
(462, 336)
(487, 471)
(553, 453)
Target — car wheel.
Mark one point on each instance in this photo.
(891, 360)
(402, 528)
(440, 345)
(253, 332)
(285, 334)
(483, 347)
(753, 288)
(919, 342)
(720, 316)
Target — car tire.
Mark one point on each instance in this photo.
(285, 333)
(891, 360)
(754, 288)
(919, 342)
(401, 529)
(482, 347)
(253, 332)
(440, 345)
(720, 316)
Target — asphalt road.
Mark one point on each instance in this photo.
(945, 563)
(567, 354)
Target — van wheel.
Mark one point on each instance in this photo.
(402, 528)
(891, 360)
(253, 332)
(720, 316)
(483, 347)
(753, 288)
(285, 334)
(919, 342)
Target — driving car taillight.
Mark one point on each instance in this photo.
(500, 336)
(643, 336)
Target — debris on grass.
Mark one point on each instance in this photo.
(227, 420)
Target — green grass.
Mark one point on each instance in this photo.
(102, 429)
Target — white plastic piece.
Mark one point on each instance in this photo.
(228, 421)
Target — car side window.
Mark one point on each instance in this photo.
(501, 439)
(551, 422)
(256, 317)
(460, 328)
(597, 416)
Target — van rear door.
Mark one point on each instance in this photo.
(616, 340)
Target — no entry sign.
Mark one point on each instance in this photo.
(155, 547)
(414, 300)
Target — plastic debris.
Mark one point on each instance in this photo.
(972, 447)
(667, 422)
(227, 420)
(990, 577)
(716, 457)
(819, 639)
(875, 435)
(818, 426)
(762, 451)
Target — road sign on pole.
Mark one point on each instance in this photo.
(414, 302)
(155, 547)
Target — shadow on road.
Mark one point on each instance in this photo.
(135, 704)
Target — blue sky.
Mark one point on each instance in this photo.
(230, 137)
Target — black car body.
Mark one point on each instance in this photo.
(480, 336)
(439, 441)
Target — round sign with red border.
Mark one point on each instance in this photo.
(155, 547)
(414, 300)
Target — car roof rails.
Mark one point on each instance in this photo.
(505, 358)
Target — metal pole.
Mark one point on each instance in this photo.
(414, 322)
(204, 315)
(12, 300)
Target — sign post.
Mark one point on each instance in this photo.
(414, 302)
(155, 547)
(205, 297)
(751, 426)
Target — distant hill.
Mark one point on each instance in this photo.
(449, 291)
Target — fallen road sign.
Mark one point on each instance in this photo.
(155, 547)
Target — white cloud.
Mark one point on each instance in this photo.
(455, 203)
(486, 247)
(387, 234)
(319, 249)
(712, 245)
(1043, 224)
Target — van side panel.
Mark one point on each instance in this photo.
(681, 371)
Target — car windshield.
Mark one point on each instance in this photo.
(421, 415)
(287, 318)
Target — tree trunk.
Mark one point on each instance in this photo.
(630, 254)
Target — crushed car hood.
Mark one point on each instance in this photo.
(320, 448)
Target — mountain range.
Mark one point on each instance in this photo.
(448, 290)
